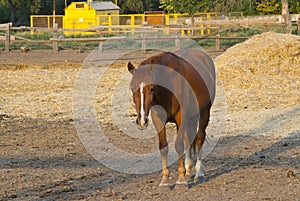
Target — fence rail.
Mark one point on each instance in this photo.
(171, 32)
(176, 35)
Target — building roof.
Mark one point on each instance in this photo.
(104, 5)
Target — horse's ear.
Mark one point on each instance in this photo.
(131, 67)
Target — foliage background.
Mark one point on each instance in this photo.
(19, 12)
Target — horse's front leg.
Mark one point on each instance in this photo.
(163, 147)
(159, 119)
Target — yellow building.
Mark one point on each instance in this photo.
(83, 15)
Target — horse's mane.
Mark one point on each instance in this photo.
(158, 59)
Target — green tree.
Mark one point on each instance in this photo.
(225, 6)
(131, 6)
(21, 10)
(46, 7)
(294, 6)
(269, 6)
(151, 5)
(167, 5)
(184, 6)
(4, 12)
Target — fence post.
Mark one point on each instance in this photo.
(201, 26)
(7, 37)
(208, 25)
(298, 26)
(167, 16)
(100, 48)
(177, 42)
(218, 39)
(31, 24)
(109, 23)
(144, 42)
(132, 24)
(55, 42)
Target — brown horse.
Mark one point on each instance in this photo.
(176, 87)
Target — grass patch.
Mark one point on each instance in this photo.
(233, 31)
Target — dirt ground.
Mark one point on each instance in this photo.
(43, 158)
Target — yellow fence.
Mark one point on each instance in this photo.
(132, 21)
(45, 21)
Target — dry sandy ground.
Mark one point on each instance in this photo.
(43, 158)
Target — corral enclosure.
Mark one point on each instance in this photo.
(42, 156)
(211, 30)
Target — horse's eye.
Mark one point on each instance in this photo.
(151, 89)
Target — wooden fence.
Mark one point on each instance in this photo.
(174, 33)
(143, 38)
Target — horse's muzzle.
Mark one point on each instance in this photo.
(142, 125)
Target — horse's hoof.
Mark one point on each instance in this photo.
(199, 179)
(188, 177)
(181, 180)
(181, 186)
(164, 182)
(184, 182)
(163, 185)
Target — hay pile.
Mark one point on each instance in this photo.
(262, 72)
(37, 91)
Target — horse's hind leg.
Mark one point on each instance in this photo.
(189, 143)
(199, 166)
(188, 162)
(203, 122)
(179, 146)
(185, 137)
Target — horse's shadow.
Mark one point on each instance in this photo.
(264, 157)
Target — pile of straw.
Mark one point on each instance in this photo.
(262, 72)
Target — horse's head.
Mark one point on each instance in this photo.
(142, 87)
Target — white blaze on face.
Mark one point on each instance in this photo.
(142, 85)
